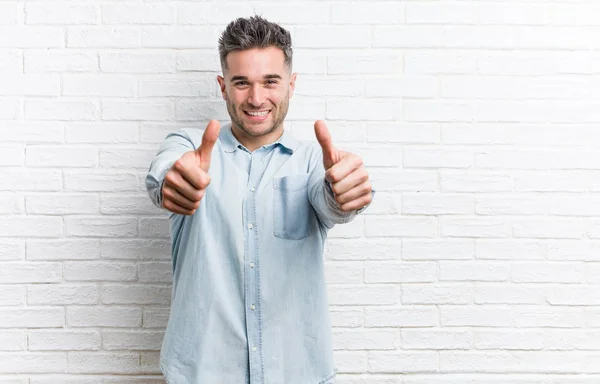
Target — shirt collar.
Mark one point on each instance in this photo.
(231, 144)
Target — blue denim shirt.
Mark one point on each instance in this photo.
(249, 301)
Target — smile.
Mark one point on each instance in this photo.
(257, 113)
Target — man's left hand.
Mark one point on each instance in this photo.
(345, 172)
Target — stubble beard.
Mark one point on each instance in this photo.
(277, 122)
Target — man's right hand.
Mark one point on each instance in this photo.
(186, 181)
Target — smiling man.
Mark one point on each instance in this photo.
(250, 208)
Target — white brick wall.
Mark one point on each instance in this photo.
(477, 263)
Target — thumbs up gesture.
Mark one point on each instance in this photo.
(186, 181)
(345, 172)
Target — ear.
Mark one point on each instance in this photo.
(221, 82)
(293, 83)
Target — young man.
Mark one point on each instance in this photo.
(250, 210)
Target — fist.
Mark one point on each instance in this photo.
(185, 183)
(345, 172)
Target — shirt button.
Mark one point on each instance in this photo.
(254, 349)
(250, 226)
(253, 189)
(252, 307)
(251, 265)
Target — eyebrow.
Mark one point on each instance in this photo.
(265, 77)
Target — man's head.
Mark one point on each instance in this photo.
(257, 81)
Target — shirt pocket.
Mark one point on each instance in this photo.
(292, 212)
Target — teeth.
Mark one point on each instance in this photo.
(262, 113)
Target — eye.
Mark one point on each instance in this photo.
(240, 83)
(272, 82)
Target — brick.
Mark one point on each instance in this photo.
(404, 180)
(351, 361)
(8, 14)
(442, 13)
(547, 272)
(410, 133)
(473, 271)
(60, 156)
(136, 249)
(65, 110)
(99, 85)
(405, 227)
(365, 109)
(434, 339)
(32, 317)
(363, 249)
(179, 87)
(351, 62)
(344, 272)
(12, 249)
(294, 12)
(135, 294)
(438, 63)
(137, 110)
(14, 273)
(50, 204)
(542, 317)
(100, 181)
(198, 60)
(212, 13)
(12, 295)
(33, 362)
(60, 13)
(348, 318)
(32, 37)
(580, 250)
(103, 37)
(475, 227)
(155, 133)
(403, 362)
(70, 249)
(362, 295)
(365, 339)
(31, 85)
(180, 37)
(557, 228)
(199, 110)
(64, 379)
(155, 317)
(13, 341)
(125, 62)
(59, 61)
(437, 294)
(11, 61)
(100, 227)
(439, 111)
(437, 204)
(332, 36)
(63, 340)
(11, 203)
(438, 249)
(127, 205)
(114, 363)
(120, 14)
(113, 317)
(32, 132)
(473, 181)
(480, 316)
(155, 228)
(364, 12)
(132, 341)
(99, 271)
(404, 272)
(10, 108)
(508, 294)
(62, 294)
(23, 226)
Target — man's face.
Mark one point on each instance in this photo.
(257, 87)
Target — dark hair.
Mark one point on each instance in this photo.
(254, 32)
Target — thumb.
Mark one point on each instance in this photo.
(209, 138)
(330, 156)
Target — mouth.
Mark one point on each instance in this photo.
(257, 115)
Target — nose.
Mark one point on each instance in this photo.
(256, 97)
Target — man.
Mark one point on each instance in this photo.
(250, 210)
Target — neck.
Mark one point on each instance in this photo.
(254, 142)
